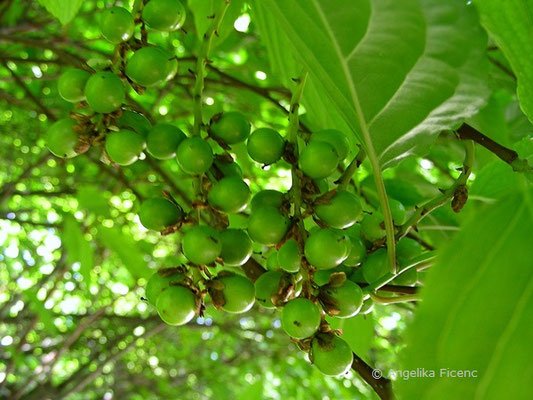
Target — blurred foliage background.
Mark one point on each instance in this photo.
(74, 257)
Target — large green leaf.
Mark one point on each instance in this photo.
(63, 10)
(477, 309)
(126, 249)
(402, 70)
(509, 22)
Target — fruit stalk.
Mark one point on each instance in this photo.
(446, 195)
(201, 63)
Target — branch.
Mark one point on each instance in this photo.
(381, 385)
(511, 157)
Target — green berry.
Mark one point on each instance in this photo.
(406, 278)
(176, 305)
(164, 15)
(117, 24)
(331, 355)
(407, 249)
(376, 265)
(265, 146)
(238, 292)
(372, 226)
(326, 248)
(236, 247)
(71, 84)
(62, 139)
(368, 307)
(272, 263)
(104, 92)
(159, 213)
(267, 225)
(194, 156)
(266, 286)
(267, 198)
(231, 127)
(159, 281)
(397, 210)
(228, 168)
(348, 298)
(334, 137)
(124, 147)
(163, 140)
(149, 66)
(318, 160)
(300, 318)
(289, 258)
(134, 121)
(201, 245)
(357, 252)
(230, 195)
(341, 211)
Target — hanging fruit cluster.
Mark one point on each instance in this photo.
(312, 248)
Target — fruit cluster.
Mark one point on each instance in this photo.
(316, 245)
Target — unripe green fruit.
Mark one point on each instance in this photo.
(267, 225)
(62, 139)
(318, 160)
(289, 257)
(124, 147)
(368, 307)
(117, 24)
(321, 276)
(300, 318)
(376, 265)
(238, 292)
(331, 355)
(372, 226)
(334, 137)
(176, 305)
(228, 168)
(164, 15)
(134, 121)
(266, 286)
(158, 213)
(348, 298)
(357, 252)
(230, 195)
(341, 211)
(236, 247)
(231, 127)
(194, 156)
(71, 84)
(201, 245)
(407, 249)
(158, 282)
(149, 66)
(265, 146)
(326, 248)
(104, 92)
(406, 278)
(267, 198)
(163, 141)
(272, 263)
(397, 210)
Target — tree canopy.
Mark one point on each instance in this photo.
(338, 193)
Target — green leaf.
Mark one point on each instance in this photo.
(126, 249)
(401, 70)
(78, 249)
(45, 315)
(477, 309)
(63, 10)
(509, 23)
